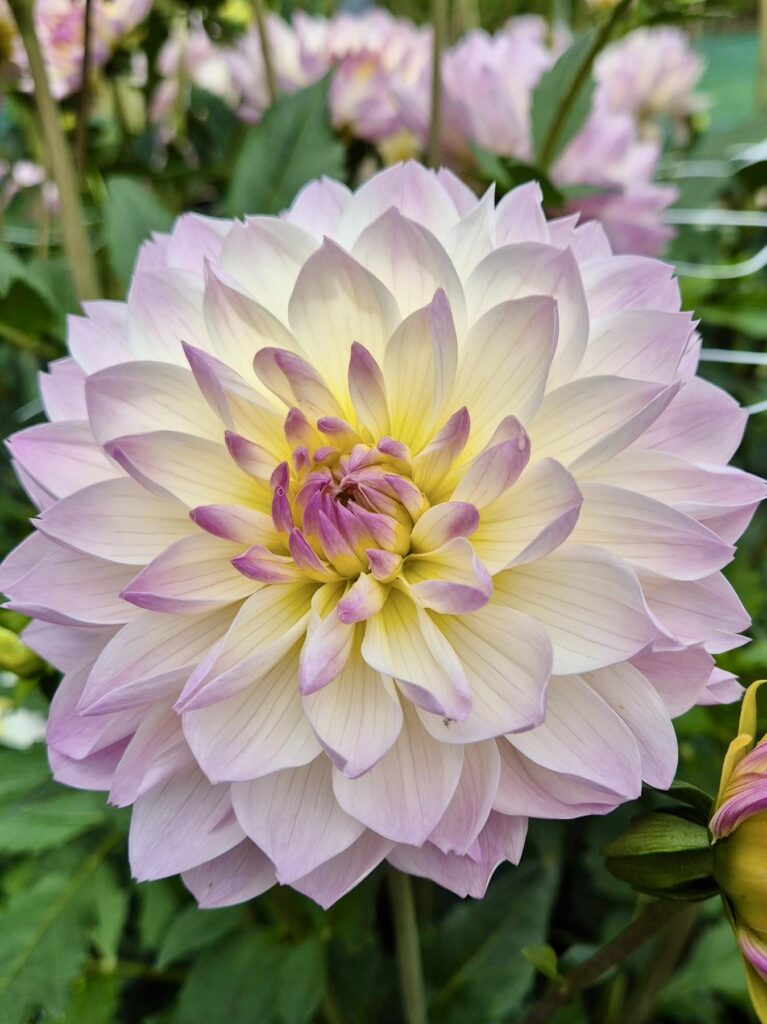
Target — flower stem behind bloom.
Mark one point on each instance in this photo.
(408, 946)
(657, 916)
(549, 148)
(439, 22)
(81, 262)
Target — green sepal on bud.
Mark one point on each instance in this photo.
(664, 854)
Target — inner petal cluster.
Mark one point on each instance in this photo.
(345, 503)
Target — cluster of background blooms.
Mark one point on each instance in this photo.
(380, 93)
(60, 29)
(371, 531)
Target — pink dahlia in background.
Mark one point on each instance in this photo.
(370, 531)
(650, 73)
(60, 29)
(488, 85)
(607, 155)
(372, 54)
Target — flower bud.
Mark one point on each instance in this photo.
(15, 656)
(739, 831)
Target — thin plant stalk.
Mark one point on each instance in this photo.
(408, 947)
(81, 263)
(549, 145)
(670, 947)
(439, 21)
(761, 74)
(614, 952)
(84, 100)
(266, 49)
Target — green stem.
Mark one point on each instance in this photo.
(549, 145)
(670, 947)
(84, 100)
(408, 947)
(81, 263)
(266, 49)
(439, 19)
(614, 952)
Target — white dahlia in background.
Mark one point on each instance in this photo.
(370, 531)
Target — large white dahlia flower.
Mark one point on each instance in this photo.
(369, 531)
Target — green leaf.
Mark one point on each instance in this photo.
(714, 966)
(158, 903)
(554, 90)
(95, 999)
(43, 945)
(474, 953)
(544, 959)
(235, 983)
(132, 213)
(291, 145)
(751, 322)
(27, 306)
(48, 816)
(508, 173)
(193, 930)
(302, 982)
(110, 910)
(44, 940)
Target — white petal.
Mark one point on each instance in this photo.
(531, 519)
(515, 271)
(647, 533)
(472, 801)
(640, 707)
(589, 602)
(194, 574)
(264, 629)
(180, 824)
(117, 520)
(403, 642)
(260, 730)
(265, 255)
(505, 364)
(404, 795)
(336, 302)
(584, 738)
(419, 369)
(410, 261)
(357, 717)
(150, 658)
(595, 418)
(134, 398)
(507, 658)
(294, 817)
(238, 875)
(189, 469)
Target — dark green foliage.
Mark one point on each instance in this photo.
(291, 145)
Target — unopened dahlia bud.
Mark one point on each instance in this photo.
(739, 831)
(372, 530)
